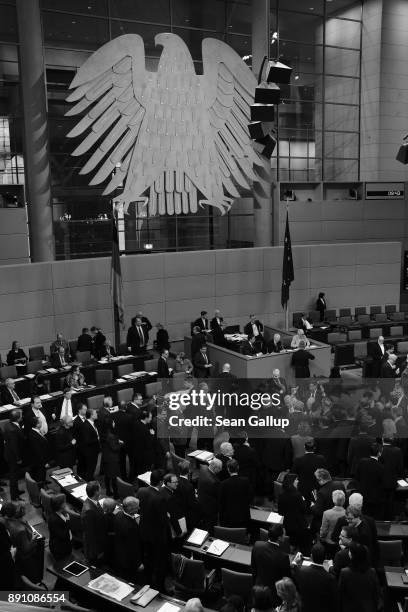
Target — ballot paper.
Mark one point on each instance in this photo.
(194, 453)
(197, 537)
(145, 477)
(51, 370)
(6, 407)
(204, 456)
(217, 547)
(168, 607)
(110, 587)
(79, 492)
(402, 483)
(30, 375)
(153, 374)
(121, 380)
(68, 480)
(274, 517)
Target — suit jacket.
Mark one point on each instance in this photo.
(370, 474)
(269, 564)
(64, 449)
(300, 361)
(247, 348)
(186, 501)
(275, 347)
(358, 591)
(14, 356)
(249, 464)
(277, 452)
(98, 342)
(359, 447)
(55, 346)
(162, 368)
(393, 462)
(123, 425)
(127, 545)
(147, 326)
(94, 528)
(235, 498)
(199, 362)
(60, 536)
(341, 560)
(110, 455)
(305, 468)
(154, 525)
(6, 397)
(202, 324)
(89, 441)
(197, 341)
(321, 304)
(324, 500)
(39, 449)
(134, 340)
(84, 343)
(13, 443)
(317, 589)
(77, 428)
(162, 339)
(143, 444)
(248, 329)
(217, 331)
(387, 371)
(208, 494)
(56, 360)
(292, 507)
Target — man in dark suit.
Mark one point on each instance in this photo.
(8, 392)
(348, 534)
(98, 342)
(77, 426)
(59, 359)
(89, 443)
(317, 588)
(305, 467)
(84, 342)
(217, 328)
(235, 498)
(248, 347)
(254, 327)
(378, 355)
(162, 365)
(128, 540)
(324, 500)
(247, 457)
(276, 454)
(202, 365)
(359, 447)
(185, 496)
(321, 305)
(136, 337)
(389, 371)
(93, 524)
(371, 476)
(142, 443)
(300, 361)
(155, 531)
(13, 450)
(269, 563)
(123, 429)
(197, 340)
(65, 444)
(393, 462)
(202, 323)
(60, 540)
(147, 326)
(226, 372)
(59, 343)
(208, 493)
(39, 453)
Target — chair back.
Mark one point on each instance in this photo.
(189, 575)
(75, 525)
(375, 310)
(330, 315)
(402, 347)
(83, 356)
(363, 319)
(36, 353)
(103, 377)
(344, 354)
(277, 490)
(125, 395)
(236, 583)
(375, 332)
(8, 372)
(237, 535)
(95, 402)
(354, 334)
(345, 312)
(314, 316)
(123, 349)
(125, 489)
(125, 368)
(397, 316)
(380, 317)
(33, 491)
(335, 338)
(73, 347)
(46, 497)
(360, 349)
(390, 552)
(345, 320)
(34, 366)
(389, 308)
(360, 310)
(397, 330)
(153, 388)
(177, 382)
(151, 365)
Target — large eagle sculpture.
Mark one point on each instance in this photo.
(173, 139)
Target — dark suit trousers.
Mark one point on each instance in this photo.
(376, 511)
(156, 561)
(123, 454)
(90, 467)
(38, 473)
(14, 471)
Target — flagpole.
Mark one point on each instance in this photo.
(116, 324)
(286, 305)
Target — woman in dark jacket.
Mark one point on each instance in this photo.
(359, 589)
(293, 508)
(16, 356)
(110, 459)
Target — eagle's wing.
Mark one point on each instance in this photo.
(110, 87)
(229, 88)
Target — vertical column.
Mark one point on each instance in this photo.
(263, 187)
(37, 166)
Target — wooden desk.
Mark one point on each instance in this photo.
(393, 578)
(260, 516)
(388, 530)
(237, 556)
(98, 601)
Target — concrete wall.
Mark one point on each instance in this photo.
(37, 300)
(13, 236)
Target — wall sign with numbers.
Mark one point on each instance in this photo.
(385, 191)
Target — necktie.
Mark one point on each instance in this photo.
(14, 394)
(141, 335)
(205, 358)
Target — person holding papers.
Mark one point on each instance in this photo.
(201, 362)
(75, 380)
(298, 338)
(248, 347)
(177, 519)
(305, 324)
(235, 498)
(16, 356)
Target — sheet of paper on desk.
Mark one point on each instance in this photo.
(68, 480)
(145, 477)
(274, 517)
(402, 483)
(45, 396)
(30, 375)
(6, 407)
(18, 379)
(194, 453)
(24, 401)
(110, 587)
(217, 547)
(79, 492)
(51, 370)
(121, 380)
(205, 456)
(168, 607)
(152, 373)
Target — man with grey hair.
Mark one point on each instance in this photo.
(208, 492)
(128, 544)
(65, 443)
(193, 605)
(225, 455)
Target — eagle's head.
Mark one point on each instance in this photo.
(175, 56)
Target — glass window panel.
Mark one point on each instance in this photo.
(344, 8)
(341, 170)
(343, 33)
(307, 87)
(297, 115)
(240, 44)
(194, 39)
(300, 27)
(73, 31)
(304, 7)
(342, 61)
(297, 170)
(239, 17)
(337, 144)
(341, 117)
(88, 7)
(301, 57)
(341, 89)
(157, 11)
(208, 15)
(147, 32)
(8, 24)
